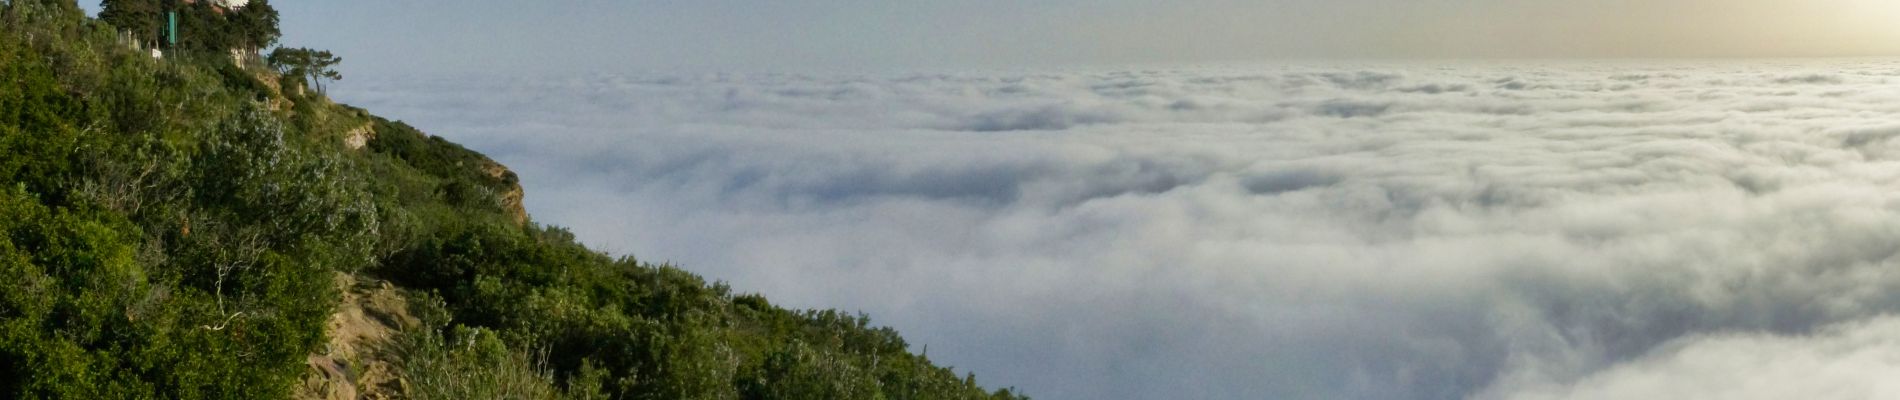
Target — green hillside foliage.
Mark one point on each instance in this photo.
(171, 229)
(202, 27)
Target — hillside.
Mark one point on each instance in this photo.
(192, 228)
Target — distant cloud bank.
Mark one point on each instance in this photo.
(1497, 231)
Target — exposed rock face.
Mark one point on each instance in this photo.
(369, 315)
(512, 198)
(358, 138)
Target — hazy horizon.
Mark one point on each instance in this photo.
(380, 38)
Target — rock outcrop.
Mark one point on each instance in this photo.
(348, 367)
(512, 198)
(357, 139)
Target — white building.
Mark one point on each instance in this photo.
(231, 4)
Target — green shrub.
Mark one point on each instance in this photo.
(471, 363)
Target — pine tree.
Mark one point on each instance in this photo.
(307, 65)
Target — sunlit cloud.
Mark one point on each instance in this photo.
(1620, 230)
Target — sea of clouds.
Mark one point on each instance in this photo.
(1524, 230)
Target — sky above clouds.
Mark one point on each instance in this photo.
(512, 37)
(1416, 230)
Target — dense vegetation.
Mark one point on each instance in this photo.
(202, 25)
(172, 229)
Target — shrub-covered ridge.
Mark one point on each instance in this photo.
(174, 229)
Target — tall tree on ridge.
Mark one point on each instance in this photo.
(143, 18)
(307, 65)
(256, 24)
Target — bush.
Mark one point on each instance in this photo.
(473, 363)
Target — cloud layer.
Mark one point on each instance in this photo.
(1441, 231)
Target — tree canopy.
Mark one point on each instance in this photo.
(202, 25)
(309, 66)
